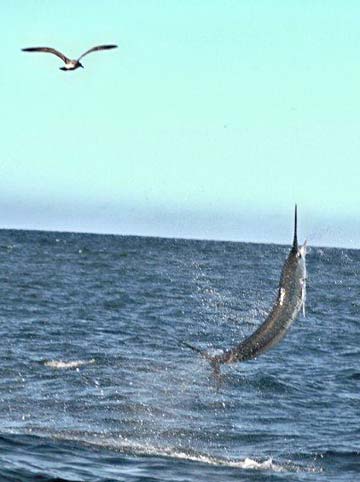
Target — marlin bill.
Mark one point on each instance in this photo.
(289, 301)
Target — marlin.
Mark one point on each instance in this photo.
(289, 301)
(70, 64)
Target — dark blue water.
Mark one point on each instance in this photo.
(96, 386)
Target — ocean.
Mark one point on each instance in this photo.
(96, 384)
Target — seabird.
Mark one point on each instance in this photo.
(70, 64)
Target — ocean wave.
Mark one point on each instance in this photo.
(139, 449)
(125, 446)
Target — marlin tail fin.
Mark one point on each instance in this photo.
(192, 347)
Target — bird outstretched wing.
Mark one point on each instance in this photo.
(48, 50)
(98, 47)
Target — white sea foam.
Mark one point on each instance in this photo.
(126, 446)
(246, 463)
(129, 447)
(60, 364)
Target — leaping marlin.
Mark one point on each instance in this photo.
(70, 64)
(289, 301)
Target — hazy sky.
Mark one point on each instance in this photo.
(210, 120)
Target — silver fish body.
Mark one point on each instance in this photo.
(289, 301)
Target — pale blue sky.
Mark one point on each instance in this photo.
(210, 120)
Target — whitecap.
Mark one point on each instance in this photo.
(124, 445)
(60, 364)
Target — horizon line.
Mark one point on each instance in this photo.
(169, 237)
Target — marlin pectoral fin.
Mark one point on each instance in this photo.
(303, 297)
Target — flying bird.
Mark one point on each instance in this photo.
(70, 64)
